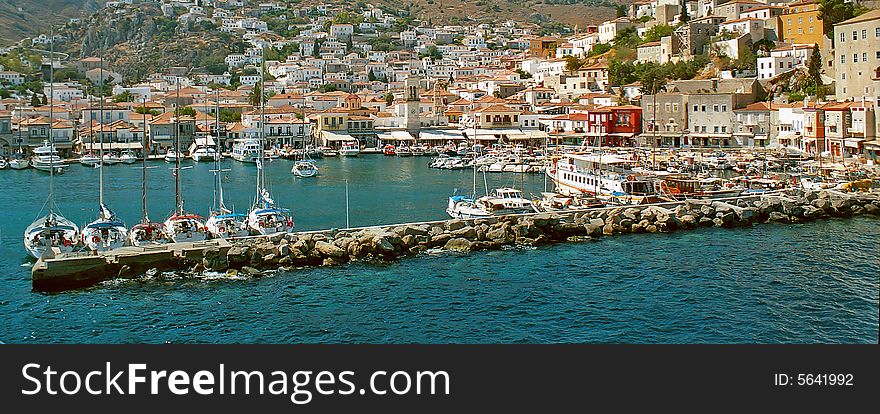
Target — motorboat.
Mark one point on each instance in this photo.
(248, 150)
(417, 150)
(351, 149)
(389, 150)
(304, 169)
(128, 157)
(403, 151)
(89, 159)
(203, 154)
(173, 156)
(19, 163)
(504, 201)
(3, 164)
(46, 159)
(111, 159)
(463, 207)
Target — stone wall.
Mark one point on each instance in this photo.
(386, 243)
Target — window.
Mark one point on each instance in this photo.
(842, 37)
(877, 54)
(811, 29)
(724, 128)
(800, 30)
(811, 19)
(877, 32)
(842, 76)
(675, 107)
(864, 56)
(800, 20)
(697, 108)
(715, 108)
(855, 35)
(723, 108)
(704, 108)
(864, 33)
(715, 129)
(855, 58)
(842, 59)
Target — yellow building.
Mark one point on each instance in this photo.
(801, 24)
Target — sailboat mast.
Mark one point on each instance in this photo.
(51, 121)
(146, 219)
(474, 162)
(261, 169)
(101, 127)
(217, 156)
(177, 150)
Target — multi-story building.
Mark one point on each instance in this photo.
(858, 55)
(801, 23)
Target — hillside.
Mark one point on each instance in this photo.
(26, 18)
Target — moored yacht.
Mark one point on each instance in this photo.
(202, 149)
(173, 156)
(247, 150)
(48, 232)
(608, 177)
(89, 159)
(46, 159)
(128, 157)
(110, 159)
(105, 233)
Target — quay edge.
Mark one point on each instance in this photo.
(254, 255)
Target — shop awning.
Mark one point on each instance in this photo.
(332, 136)
(441, 135)
(852, 142)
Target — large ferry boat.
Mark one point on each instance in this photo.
(610, 178)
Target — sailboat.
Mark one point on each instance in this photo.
(463, 207)
(107, 232)
(146, 232)
(265, 217)
(223, 223)
(182, 226)
(51, 231)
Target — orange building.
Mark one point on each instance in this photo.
(801, 24)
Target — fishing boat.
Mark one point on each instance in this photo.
(46, 159)
(683, 187)
(107, 232)
(147, 232)
(247, 150)
(304, 169)
(128, 157)
(389, 150)
(265, 217)
(350, 149)
(202, 149)
(52, 231)
(89, 159)
(182, 226)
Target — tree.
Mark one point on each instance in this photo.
(572, 63)
(653, 78)
(44, 101)
(389, 98)
(125, 96)
(832, 12)
(371, 76)
(35, 100)
(523, 74)
(316, 48)
(620, 73)
(227, 115)
(683, 17)
(4, 93)
(599, 49)
(621, 10)
(655, 33)
(814, 69)
(186, 110)
(254, 97)
(432, 52)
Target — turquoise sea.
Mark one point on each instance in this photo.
(802, 283)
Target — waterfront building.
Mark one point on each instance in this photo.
(858, 56)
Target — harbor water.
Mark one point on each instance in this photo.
(799, 283)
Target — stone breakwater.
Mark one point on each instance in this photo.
(386, 243)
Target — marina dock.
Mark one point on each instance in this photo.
(253, 255)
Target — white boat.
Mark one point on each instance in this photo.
(608, 177)
(89, 159)
(173, 156)
(128, 157)
(350, 149)
(185, 228)
(105, 233)
(3, 164)
(403, 151)
(48, 232)
(266, 218)
(462, 207)
(504, 201)
(247, 150)
(202, 149)
(46, 159)
(19, 163)
(304, 169)
(417, 150)
(111, 159)
(147, 234)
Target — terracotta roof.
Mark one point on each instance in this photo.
(497, 108)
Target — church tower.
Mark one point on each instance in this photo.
(411, 91)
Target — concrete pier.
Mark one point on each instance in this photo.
(253, 255)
